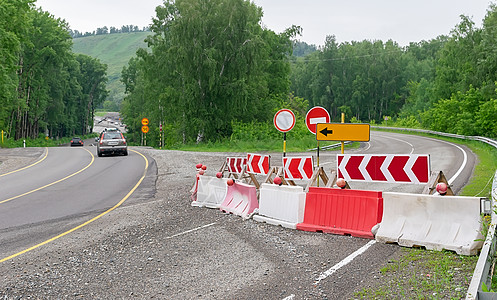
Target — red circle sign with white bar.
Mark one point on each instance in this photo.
(316, 115)
(284, 120)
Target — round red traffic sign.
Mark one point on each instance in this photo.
(316, 115)
(145, 129)
(284, 120)
(144, 121)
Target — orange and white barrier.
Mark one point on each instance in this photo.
(241, 200)
(281, 205)
(211, 192)
(435, 222)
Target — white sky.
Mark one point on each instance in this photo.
(349, 20)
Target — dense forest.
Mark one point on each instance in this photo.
(45, 89)
(107, 30)
(206, 77)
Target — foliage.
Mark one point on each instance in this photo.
(209, 65)
(114, 50)
(44, 87)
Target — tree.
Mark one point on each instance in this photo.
(209, 63)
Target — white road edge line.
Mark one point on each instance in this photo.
(345, 261)
(191, 230)
(463, 165)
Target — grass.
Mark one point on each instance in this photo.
(114, 50)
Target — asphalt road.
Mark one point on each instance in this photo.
(155, 245)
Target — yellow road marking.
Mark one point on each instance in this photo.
(55, 182)
(46, 154)
(89, 221)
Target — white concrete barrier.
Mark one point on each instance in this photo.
(435, 222)
(281, 205)
(211, 191)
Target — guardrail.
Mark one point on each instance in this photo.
(486, 260)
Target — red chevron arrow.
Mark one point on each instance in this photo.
(396, 168)
(373, 168)
(352, 167)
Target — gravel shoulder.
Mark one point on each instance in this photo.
(135, 252)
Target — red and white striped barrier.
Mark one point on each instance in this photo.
(298, 167)
(257, 164)
(394, 168)
(236, 164)
(281, 205)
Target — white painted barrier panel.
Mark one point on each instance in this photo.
(211, 191)
(281, 205)
(435, 222)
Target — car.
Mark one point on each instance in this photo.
(76, 141)
(111, 142)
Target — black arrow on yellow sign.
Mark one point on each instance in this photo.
(325, 131)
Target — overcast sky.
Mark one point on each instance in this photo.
(349, 20)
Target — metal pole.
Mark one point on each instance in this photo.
(343, 121)
(318, 163)
(284, 144)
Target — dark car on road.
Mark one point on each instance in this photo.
(76, 141)
(111, 142)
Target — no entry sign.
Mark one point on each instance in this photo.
(284, 120)
(316, 115)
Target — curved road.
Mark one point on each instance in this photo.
(170, 250)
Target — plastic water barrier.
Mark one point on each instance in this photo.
(281, 205)
(211, 191)
(342, 211)
(435, 222)
(194, 188)
(241, 200)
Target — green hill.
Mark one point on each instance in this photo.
(115, 50)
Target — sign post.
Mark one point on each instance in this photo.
(314, 116)
(145, 129)
(284, 120)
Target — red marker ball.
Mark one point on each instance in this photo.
(219, 174)
(204, 167)
(198, 166)
(277, 180)
(230, 182)
(341, 182)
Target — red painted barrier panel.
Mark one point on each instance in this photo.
(241, 200)
(341, 211)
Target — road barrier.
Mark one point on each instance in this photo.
(241, 200)
(211, 192)
(341, 211)
(194, 188)
(435, 222)
(281, 205)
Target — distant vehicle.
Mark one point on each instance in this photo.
(76, 141)
(111, 141)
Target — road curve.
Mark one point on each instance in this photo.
(159, 246)
(71, 184)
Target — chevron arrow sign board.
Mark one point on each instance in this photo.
(392, 168)
(298, 167)
(257, 164)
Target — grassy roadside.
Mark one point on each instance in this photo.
(425, 274)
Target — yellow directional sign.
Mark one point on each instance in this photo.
(145, 128)
(342, 132)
